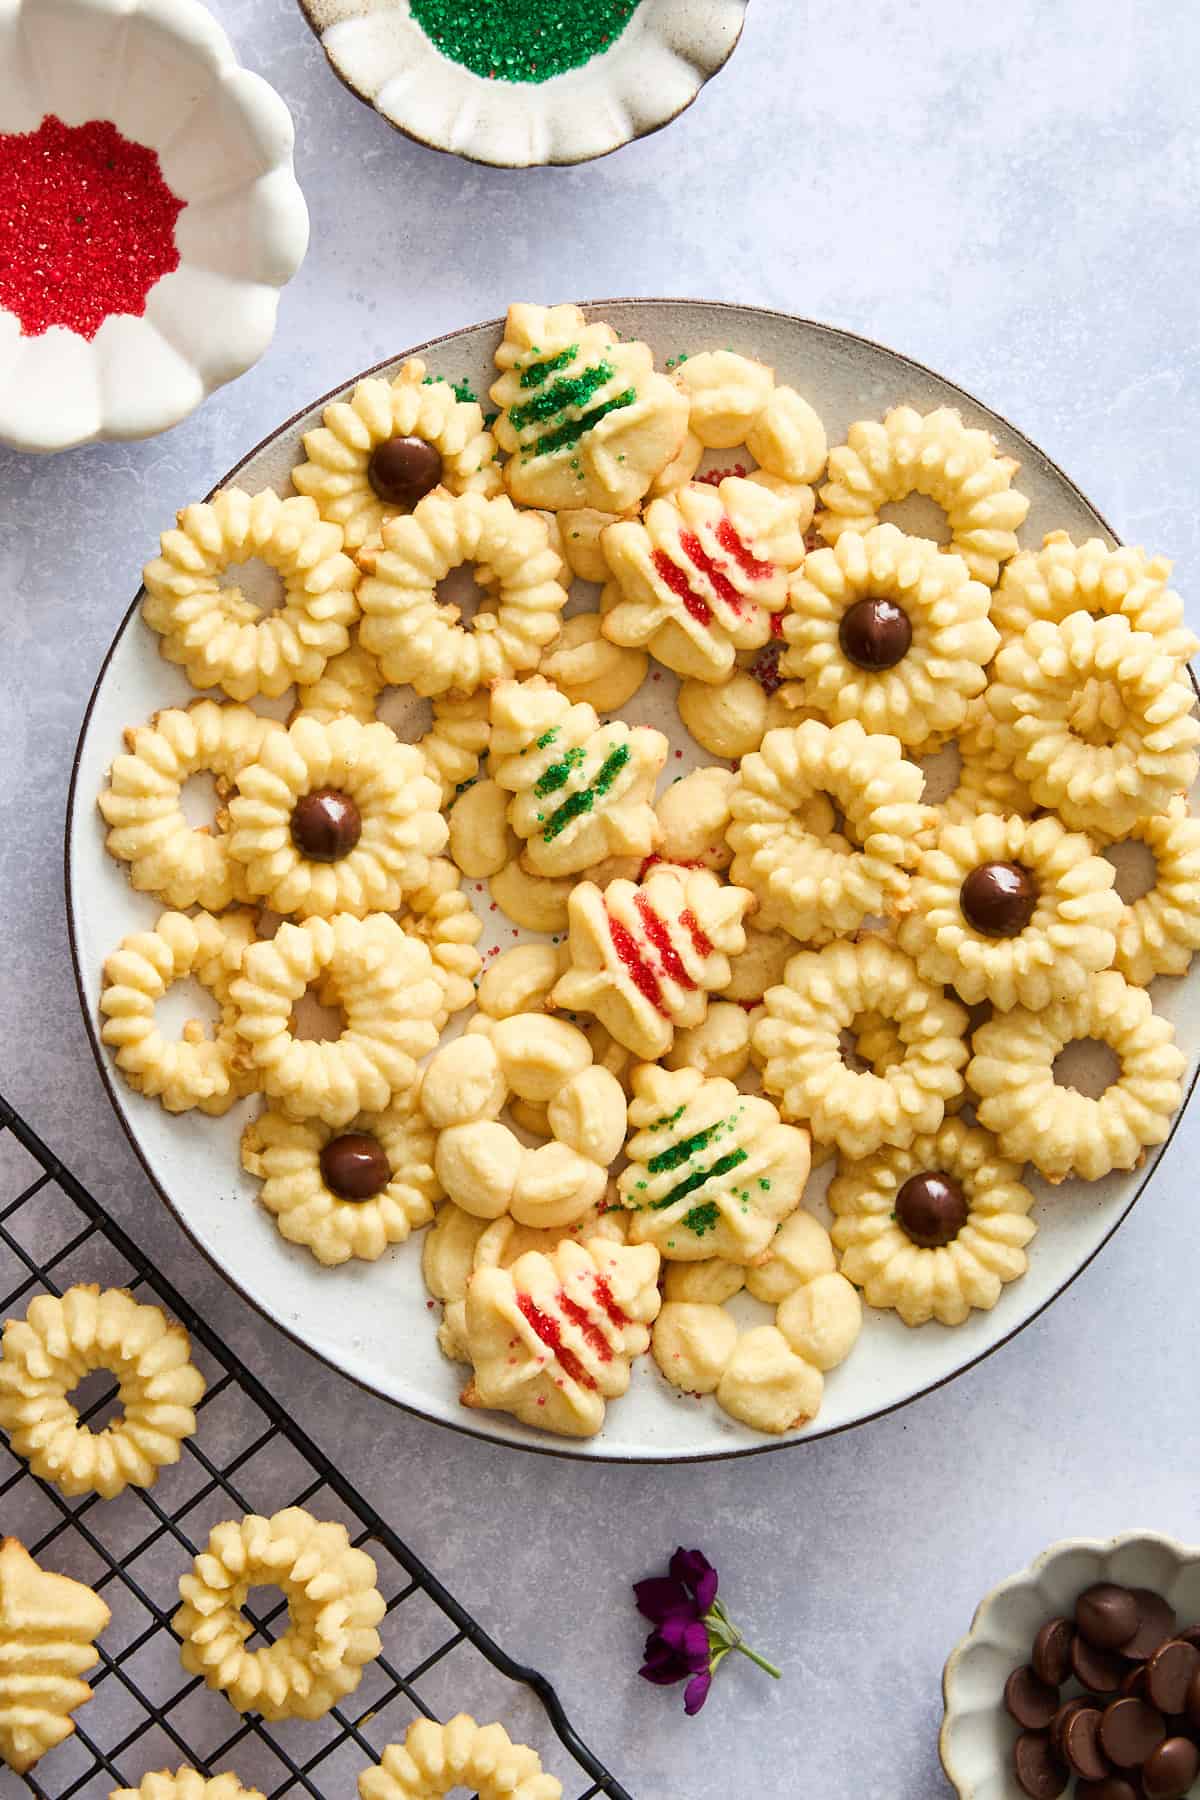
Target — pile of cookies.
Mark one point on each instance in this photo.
(789, 954)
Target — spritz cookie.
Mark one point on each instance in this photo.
(1145, 758)
(1063, 578)
(823, 994)
(702, 574)
(49, 1352)
(936, 1229)
(441, 916)
(711, 1171)
(817, 883)
(1055, 1127)
(732, 719)
(392, 1003)
(203, 1068)
(333, 1606)
(420, 639)
(440, 1759)
(187, 1784)
(221, 638)
(734, 400)
(645, 956)
(48, 1623)
(887, 629)
(693, 817)
(180, 864)
(1009, 910)
(584, 418)
(585, 666)
(551, 1339)
(985, 781)
(538, 902)
(337, 817)
(378, 453)
(1159, 932)
(957, 466)
(349, 1193)
(581, 791)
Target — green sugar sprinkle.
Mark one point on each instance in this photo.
(522, 40)
(566, 435)
(688, 1147)
(586, 798)
(464, 391)
(702, 1218)
(546, 739)
(534, 374)
(572, 390)
(668, 1119)
(697, 1179)
(558, 774)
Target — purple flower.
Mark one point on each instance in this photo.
(692, 1632)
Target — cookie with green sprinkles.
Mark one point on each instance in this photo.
(586, 419)
(712, 1171)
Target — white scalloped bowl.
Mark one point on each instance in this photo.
(166, 75)
(643, 80)
(977, 1734)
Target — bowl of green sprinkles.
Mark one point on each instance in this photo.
(522, 83)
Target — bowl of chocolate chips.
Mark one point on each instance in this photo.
(1081, 1676)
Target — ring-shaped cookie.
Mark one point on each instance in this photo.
(1150, 755)
(178, 863)
(393, 1005)
(985, 780)
(337, 472)
(54, 1347)
(360, 769)
(419, 639)
(1055, 1127)
(926, 691)
(937, 455)
(355, 1218)
(441, 916)
(982, 1240)
(799, 1042)
(480, 1162)
(438, 1759)
(198, 1070)
(1159, 932)
(1096, 578)
(822, 886)
(187, 1784)
(334, 1606)
(219, 636)
(1068, 935)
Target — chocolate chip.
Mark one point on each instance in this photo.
(1169, 1771)
(1051, 1657)
(1156, 1623)
(1031, 1701)
(1190, 1635)
(931, 1208)
(1192, 1703)
(1129, 1731)
(875, 634)
(1106, 1614)
(1039, 1775)
(326, 825)
(1113, 1787)
(1134, 1681)
(402, 470)
(998, 899)
(1081, 1745)
(1169, 1674)
(1063, 1717)
(1100, 1670)
(355, 1166)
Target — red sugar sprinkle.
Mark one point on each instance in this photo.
(715, 477)
(590, 1332)
(765, 668)
(87, 225)
(548, 1330)
(680, 586)
(700, 939)
(640, 973)
(604, 1295)
(743, 556)
(658, 934)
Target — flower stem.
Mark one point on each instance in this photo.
(760, 1661)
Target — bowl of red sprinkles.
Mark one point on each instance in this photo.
(149, 217)
(519, 83)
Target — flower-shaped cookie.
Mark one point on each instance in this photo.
(187, 1784)
(711, 1171)
(582, 791)
(824, 993)
(936, 455)
(1159, 932)
(584, 418)
(440, 1759)
(933, 1230)
(702, 574)
(887, 629)
(417, 637)
(646, 955)
(480, 1161)
(1010, 910)
(817, 883)
(552, 1338)
(378, 453)
(48, 1628)
(1092, 577)
(337, 817)
(439, 914)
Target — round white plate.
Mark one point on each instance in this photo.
(372, 1321)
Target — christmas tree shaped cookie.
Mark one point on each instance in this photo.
(584, 418)
(711, 1171)
(582, 791)
(48, 1624)
(703, 575)
(552, 1338)
(645, 956)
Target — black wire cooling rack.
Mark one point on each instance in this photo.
(247, 1456)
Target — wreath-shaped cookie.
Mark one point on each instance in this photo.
(1093, 577)
(438, 1759)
